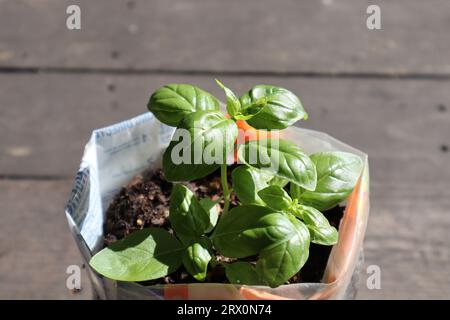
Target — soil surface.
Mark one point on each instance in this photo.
(144, 202)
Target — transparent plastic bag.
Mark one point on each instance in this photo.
(115, 154)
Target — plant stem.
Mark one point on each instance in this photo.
(226, 191)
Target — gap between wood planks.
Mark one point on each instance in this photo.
(218, 73)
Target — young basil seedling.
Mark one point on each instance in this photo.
(281, 192)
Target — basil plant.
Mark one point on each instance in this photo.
(282, 192)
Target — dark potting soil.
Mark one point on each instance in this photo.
(144, 202)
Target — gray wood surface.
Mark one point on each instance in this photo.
(36, 246)
(398, 123)
(408, 238)
(283, 36)
(402, 125)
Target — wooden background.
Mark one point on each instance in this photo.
(386, 92)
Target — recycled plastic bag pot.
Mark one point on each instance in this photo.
(115, 154)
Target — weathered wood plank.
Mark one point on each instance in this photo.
(36, 246)
(281, 36)
(408, 238)
(45, 120)
(412, 259)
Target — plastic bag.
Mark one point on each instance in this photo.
(115, 154)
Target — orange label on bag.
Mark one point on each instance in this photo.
(176, 292)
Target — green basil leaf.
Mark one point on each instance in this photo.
(279, 108)
(197, 257)
(281, 157)
(248, 113)
(326, 236)
(247, 181)
(211, 207)
(242, 273)
(337, 174)
(187, 216)
(248, 229)
(206, 140)
(275, 197)
(280, 262)
(171, 103)
(296, 191)
(278, 181)
(319, 227)
(146, 254)
(233, 104)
